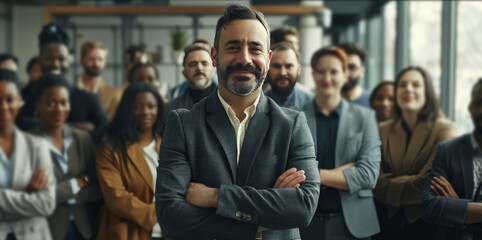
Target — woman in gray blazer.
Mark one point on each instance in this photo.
(347, 148)
(27, 184)
(72, 154)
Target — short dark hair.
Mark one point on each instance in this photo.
(282, 46)
(192, 48)
(431, 110)
(47, 81)
(11, 77)
(236, 12)
(122, 131)
(332, 51)
(373, 95)
(8, 56)
(53, 33)
(32, 62)
(476, 85)
(133, 49)
(278, 35)
(353, 48)
(140, 65)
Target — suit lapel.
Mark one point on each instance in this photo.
(467, 165)
(221, 126)
(73, 154)
(309, 110)
(57, 169)
(418, 141)
(342, 132)
(253, 139)
(137, 158)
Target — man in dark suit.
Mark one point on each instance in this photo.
(198, 71)
(237, 165)
(452, 194)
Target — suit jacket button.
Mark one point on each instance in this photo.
(238, 214)
(248, 218)
(243, 216)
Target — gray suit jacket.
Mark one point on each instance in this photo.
(200, 146)
(357, 141)
(26, 212)
(81, 160)
(454, 161)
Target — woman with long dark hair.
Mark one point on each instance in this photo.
(72, 151)
(409, 144)
(27, 184)
(126, 166)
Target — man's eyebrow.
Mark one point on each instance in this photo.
(232, 42)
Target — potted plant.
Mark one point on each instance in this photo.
(178, 41)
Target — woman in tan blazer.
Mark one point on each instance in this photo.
(409, 143)
(126, 166)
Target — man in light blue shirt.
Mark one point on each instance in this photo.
(284, 72)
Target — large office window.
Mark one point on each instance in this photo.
(425, 37)
(469, 60)
(390, 30)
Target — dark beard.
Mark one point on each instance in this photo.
(283, 91)
(92, 73)
(231, 87)
(352, 83)
(477, 120)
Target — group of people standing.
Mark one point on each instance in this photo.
(222, 160)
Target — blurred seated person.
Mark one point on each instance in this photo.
(452, 194)
(126, 166)
(284, 72)
(72, 151)
(381, 100)
(9, 62)
(86, 109)
(180, 89)
(27, 183)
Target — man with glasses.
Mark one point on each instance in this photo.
(352, 91)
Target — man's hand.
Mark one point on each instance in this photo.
(83, 181)
(441, 187)
(290, 179)
(200, 195)
(38, 181)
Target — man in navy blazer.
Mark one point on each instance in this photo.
(224, 163)
(450, 196)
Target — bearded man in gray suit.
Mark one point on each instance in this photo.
(237, 166)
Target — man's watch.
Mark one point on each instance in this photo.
(86, 179)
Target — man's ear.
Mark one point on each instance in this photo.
(214, 55)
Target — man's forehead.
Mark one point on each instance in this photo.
(234, 26)
(198, 54)
(288, 56)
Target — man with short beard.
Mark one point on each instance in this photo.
(352, 91)
(93, 59)
(237, 166)
(284, 72)
(198, 71)
(452, 196)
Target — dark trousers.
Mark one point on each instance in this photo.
(73, 233)
(11, 236)
(398, 228)
(327, 227)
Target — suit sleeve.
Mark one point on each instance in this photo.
(117, 199)
(271, 207)
(406, 190)
(178, 219)
(364, 175)
(19, 203)
(439, 209)
(96, 114)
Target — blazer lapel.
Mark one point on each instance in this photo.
(418, 141)
(57, 169)
(19, 174)
(253, 139)
(221, 126)
(466, 163)
(73, 154)
(397, 142)
(137, 158)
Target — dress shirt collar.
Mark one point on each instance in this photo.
(336, 111)
(80, 84)
(249, 111)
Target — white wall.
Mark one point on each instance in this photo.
(26, 25)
